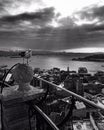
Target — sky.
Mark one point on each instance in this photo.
(71, 25)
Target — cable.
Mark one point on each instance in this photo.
(5, 75)
(69, 115)
(2, 86)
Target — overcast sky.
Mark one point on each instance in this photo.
(51, 24)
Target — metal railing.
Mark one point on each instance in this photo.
(70, 93)
(35, 109)
(74, 97)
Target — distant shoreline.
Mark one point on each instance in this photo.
(88, 60)
(91, 58)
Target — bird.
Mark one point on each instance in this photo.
(26, 54)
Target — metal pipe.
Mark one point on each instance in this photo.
(93, 122)
(6, 84)
(49, 121)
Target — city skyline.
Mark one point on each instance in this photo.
(52, 24)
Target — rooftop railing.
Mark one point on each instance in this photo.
(49, 85)
(40, 112)
(70, 93)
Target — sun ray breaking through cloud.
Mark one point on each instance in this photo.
(52, 24)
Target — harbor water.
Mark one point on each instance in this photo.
(48, 62)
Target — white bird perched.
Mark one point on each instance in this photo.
(26, 54)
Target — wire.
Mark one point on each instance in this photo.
(2, 86)
(69, 115)
(5, 75)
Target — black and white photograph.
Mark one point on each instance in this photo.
(51, 64)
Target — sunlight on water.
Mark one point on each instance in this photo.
(47, 62)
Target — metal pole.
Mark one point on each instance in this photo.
(46, 118)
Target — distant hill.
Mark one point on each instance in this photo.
(42, 52)
(8, 53)
(94, 57)
(59, 53)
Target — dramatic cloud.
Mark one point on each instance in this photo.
(38, 19)
(14, 7)
(43, 15)
(45, 24)
(92, 13)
